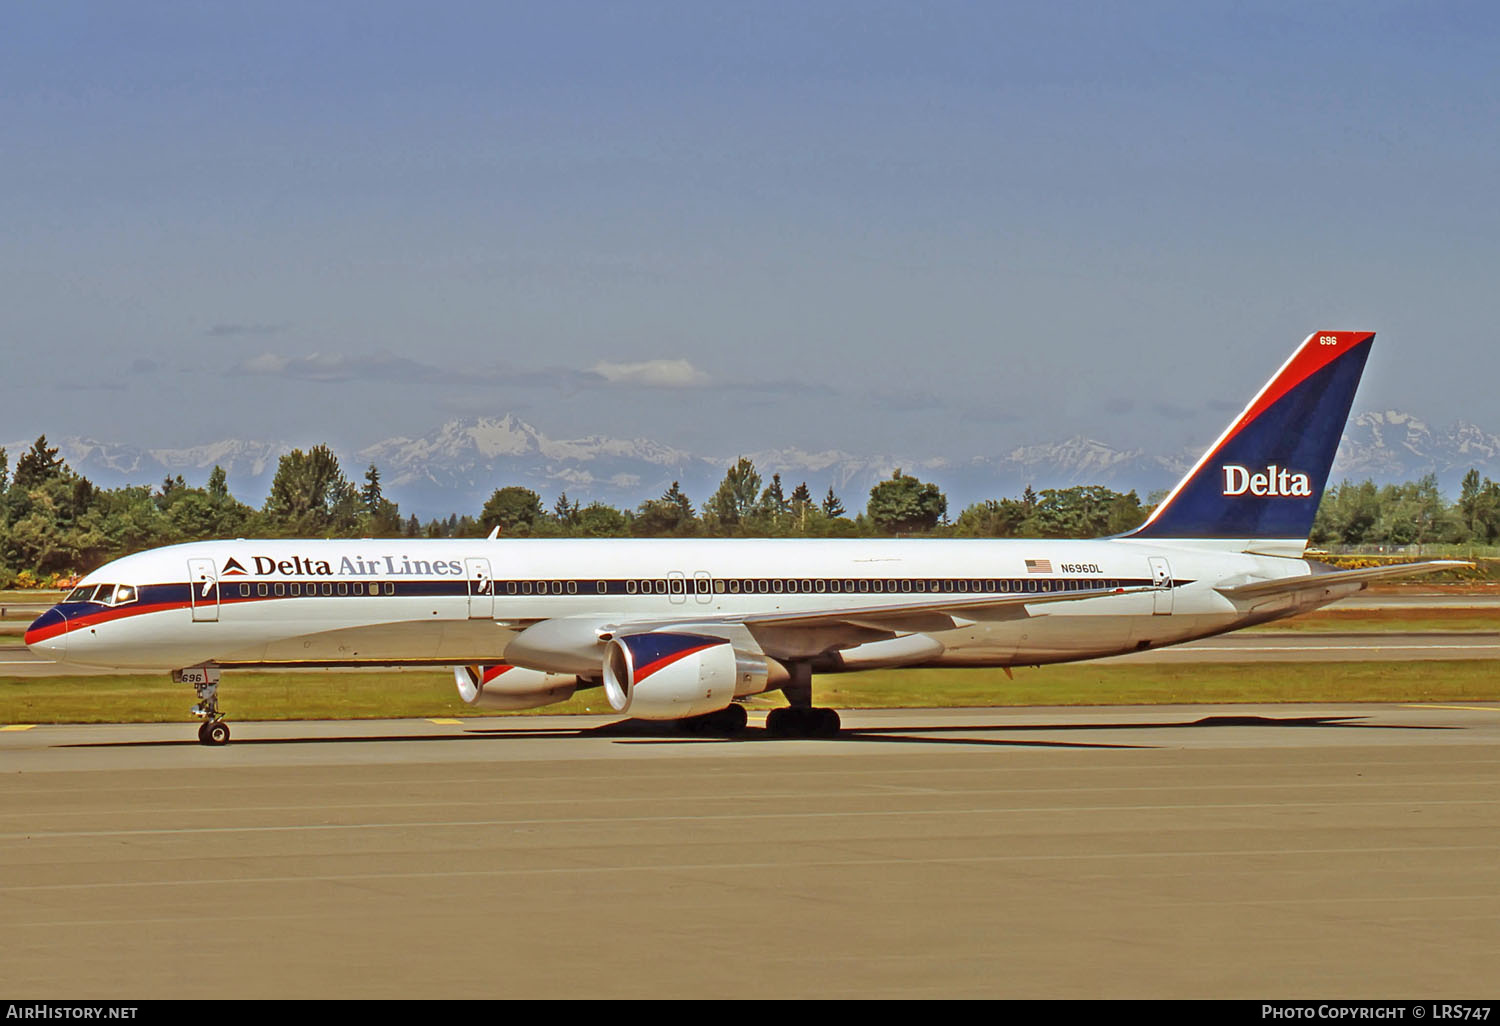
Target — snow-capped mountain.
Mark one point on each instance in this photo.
(455, 467)
(1396, 446)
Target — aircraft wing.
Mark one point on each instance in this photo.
(1324, 578)
(574, 644)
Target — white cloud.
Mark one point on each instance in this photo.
(336, 367)
(652, 374)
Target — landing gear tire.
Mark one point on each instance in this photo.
(729, 720)
(214, 733)
(798, 721)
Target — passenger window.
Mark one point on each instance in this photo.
(279, 589)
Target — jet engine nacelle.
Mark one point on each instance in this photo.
(667, 676)
(512, 687)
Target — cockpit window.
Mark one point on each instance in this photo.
(104, 594)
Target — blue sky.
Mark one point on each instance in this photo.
(926, 229)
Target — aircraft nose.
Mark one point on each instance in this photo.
(48, 634)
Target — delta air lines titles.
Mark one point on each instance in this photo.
(347, 566)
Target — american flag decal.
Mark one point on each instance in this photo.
(1039, 566)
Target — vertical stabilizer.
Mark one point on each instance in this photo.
(1265, 475)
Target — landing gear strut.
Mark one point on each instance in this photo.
(205, 681)
(801, 718)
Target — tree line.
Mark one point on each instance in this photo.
(54, 522)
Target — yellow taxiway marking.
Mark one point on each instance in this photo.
(18, 726)
(447, 723)
(1466, 708)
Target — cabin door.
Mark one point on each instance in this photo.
(1161, 576)
(481, 589)
(203, 587)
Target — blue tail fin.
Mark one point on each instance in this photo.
(1264, 477)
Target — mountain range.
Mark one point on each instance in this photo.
(455, 468)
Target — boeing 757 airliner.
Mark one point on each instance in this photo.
(680, 629)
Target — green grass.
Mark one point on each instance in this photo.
(314, 695)
(1354, 620)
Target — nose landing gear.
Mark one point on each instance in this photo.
(205, 681)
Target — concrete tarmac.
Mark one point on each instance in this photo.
(1247, 852)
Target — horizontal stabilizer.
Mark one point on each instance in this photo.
(1283, 585)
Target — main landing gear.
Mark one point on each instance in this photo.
(800, 718)
(205, 681)
(727, 721)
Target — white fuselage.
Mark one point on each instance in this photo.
(392, 602)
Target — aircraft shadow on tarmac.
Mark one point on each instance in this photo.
(658, 733)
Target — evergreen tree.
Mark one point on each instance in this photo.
(670, 516)
(801, 498)
(38, 465)
(773, 500)
(735, 500)
(370, 495)
(832, 507)
(310, 497)
(565, 511)
(218, 484)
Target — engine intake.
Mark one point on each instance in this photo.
(665, 676)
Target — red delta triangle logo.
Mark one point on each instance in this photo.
(233, 569)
